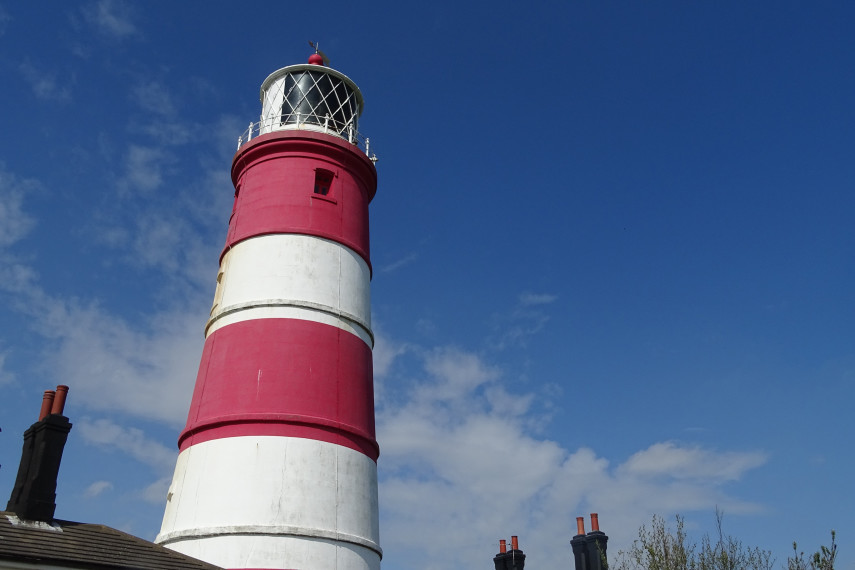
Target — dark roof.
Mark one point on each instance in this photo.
(81, 545)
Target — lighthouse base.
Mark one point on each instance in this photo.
(274, 502)
(254, 551)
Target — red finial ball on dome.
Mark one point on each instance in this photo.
(316, 59)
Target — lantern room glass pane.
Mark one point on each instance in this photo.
(318, 98)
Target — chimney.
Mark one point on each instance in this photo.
(512, 559)
(580, 547)
(589, 550)
(35, 487)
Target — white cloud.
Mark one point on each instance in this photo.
(144, 363)
(406, 260)
(169, 241)
(145, 366)
(456, 374)
(4, 20)
(179, 231)
(134, 443)
(113, 236)
(527, 299)
(111, 17)
(154, 97)
(97, 488)
(168, 132)
(667, 459)
(156, 492)
(45, 84)
(131, 441)
(14, 222)
(16, 278)
(458, 452)
(6, 377)
(143, 169)
(157, 240)
(527, 318)
(385, 352)
(144, 369)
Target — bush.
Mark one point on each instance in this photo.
(823, 559)
(659, 548)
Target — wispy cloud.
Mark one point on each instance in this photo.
(529, 299)
(113, 18)
(168, 132)
(153, 355)
(107, 358)
(154, 97)
(527, 318)
(6, 377)
(143, 169)
(15, 223)
(668, 459)
(131, 441)
(455, 373)
(406, 260)
(156, 492)
(157, 239)
(5, 18)
(45, 84)
(134, 443)
(97, 488)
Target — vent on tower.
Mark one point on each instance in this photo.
(323, 181)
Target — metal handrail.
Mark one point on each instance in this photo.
(329, 126)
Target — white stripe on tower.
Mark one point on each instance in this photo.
(277, 467)
(263, 277)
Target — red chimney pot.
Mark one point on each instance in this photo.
(595, 522)
(514, 543)
(503, 546)
(59, 401)
(47, 403)
(580, 525)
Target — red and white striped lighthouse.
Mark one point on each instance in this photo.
(278, 461)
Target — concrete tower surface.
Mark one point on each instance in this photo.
(278, 460)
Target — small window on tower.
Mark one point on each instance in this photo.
(323, 181)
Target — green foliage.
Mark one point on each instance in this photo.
(728, 553)
(657, 548)
(823, 559)
(661, 548)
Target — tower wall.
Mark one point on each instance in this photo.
(291, 503)
(277, 465)
(274, 177)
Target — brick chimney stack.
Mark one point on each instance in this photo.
(34, 492)
(512, 559)
(589, 550)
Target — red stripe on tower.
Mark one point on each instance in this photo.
(277, 465)
(284, 383)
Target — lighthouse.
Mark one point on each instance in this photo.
(278, 460)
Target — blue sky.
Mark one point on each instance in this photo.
(612, 249)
